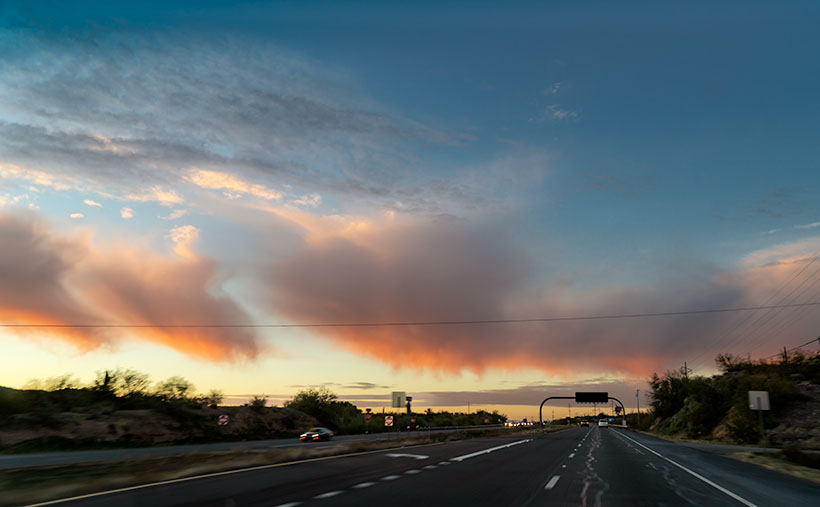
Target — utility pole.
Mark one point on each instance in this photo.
(569, 407)
(685, 370)
(468, 406)
(638, 400)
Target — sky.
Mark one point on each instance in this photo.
(244, 164)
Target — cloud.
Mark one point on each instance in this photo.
(406, 272)
(808, 226)
(176, 214)
(556, 112)
(165, 197)
(532, 394)
(126, 213)
(89, 202)
(36, 177)
(310, 201)
(122, 115)
(783, 254)
(184, 237)
(54, 279)
(77, 215)
(233, 186)
(553, 88)
(35, 266)
(365, 386)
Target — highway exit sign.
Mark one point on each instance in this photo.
(591, 397)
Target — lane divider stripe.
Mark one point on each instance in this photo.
(487, 451)
(551, 484)
(217, 474)
(329, 494)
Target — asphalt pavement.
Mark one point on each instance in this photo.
(9, 461)
(580, 466)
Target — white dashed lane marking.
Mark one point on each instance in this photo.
(491, 449)
(390, 477)
(552, 482)
(329, 494)
(363, 485)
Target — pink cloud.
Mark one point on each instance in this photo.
(418, 272)
(54, 279)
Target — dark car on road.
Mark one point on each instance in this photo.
(316, 435)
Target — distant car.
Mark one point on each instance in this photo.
(316, 435)
(584, 423)
(603, 424)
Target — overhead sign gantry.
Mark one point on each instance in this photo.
(582, 397)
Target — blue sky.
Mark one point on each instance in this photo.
(326, 161)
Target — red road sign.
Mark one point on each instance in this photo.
(412, 420)
(367, 417)
(388, 420)
(486, 420)
(223, 420)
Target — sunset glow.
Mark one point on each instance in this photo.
(194, 184)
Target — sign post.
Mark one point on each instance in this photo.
(759, 400)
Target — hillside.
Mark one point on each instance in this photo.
(716, 408)
(83, 418)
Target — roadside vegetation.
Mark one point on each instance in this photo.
(345, 418)
(717, 408)
(123, 408)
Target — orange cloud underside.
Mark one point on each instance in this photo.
(59, 280)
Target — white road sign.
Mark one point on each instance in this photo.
(759, 400)
(388, 420)
(399, 399)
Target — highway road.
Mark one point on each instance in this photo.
(9, 461)
(580, 466)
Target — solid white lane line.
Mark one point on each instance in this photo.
(552, 482)
(363, 485)
(413, 472)
(487, 451)
(329, 494)
(389, 477)
(693, 473)
(572, 455)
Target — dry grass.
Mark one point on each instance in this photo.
(774, 462)
(30, 485)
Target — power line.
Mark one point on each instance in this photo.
(418, 323)
(700, 359)
(813, 340)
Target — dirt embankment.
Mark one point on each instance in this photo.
(66, 430)
(799, 425)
